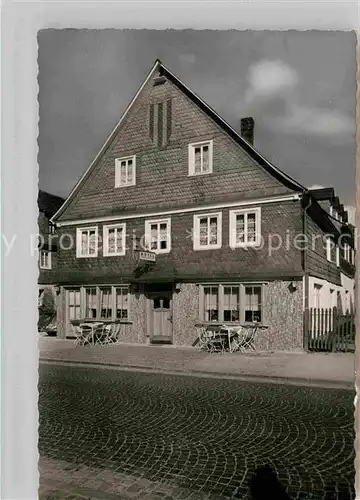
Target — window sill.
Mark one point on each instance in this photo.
(86, 256)
(245, 245)
(94, 320)
(212, 247)
(199, 174)
(114, 254)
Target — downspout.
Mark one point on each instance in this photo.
(306, 202)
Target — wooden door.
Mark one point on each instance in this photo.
(162, 318)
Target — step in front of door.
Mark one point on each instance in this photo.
(161, 339)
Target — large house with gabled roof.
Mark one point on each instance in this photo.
(180, 221)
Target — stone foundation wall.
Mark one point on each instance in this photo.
(282, 312)
(185, 314)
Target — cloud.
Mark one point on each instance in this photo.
(269, 79)
(319, 122)
(273, 95)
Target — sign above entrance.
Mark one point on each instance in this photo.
(148, 256)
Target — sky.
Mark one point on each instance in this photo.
(300, 87)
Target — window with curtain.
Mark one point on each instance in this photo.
(252, 303)
(231, 303)
(90, 303)
(122, 302)
(211, 303)
(74, 304)
(106, 303)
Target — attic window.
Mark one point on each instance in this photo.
(125, 174)
(159, 80)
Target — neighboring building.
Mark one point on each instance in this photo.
(211, 208)
(48, 205)
(337, 291)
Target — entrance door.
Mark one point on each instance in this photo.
(162, 318)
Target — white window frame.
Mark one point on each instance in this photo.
(41, 253)
(82, 291)
(329, 244)
(220, 301)
(106, 251)
(118, 171)
(317, 295)
(191, 148)
(232, 227)
(148, 224)
(337, 256)
(196, 231)
(79, 232)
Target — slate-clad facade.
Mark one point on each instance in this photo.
(222, 221)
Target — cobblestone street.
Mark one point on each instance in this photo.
(141, 435)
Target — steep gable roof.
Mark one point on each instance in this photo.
(249, 148)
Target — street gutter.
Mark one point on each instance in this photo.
(304, 382)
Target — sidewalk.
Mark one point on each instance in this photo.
(60, 480)
(333, 370)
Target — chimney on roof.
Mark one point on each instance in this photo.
(247, 129)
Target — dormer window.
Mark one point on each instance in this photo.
(125, 171)
(200, 158)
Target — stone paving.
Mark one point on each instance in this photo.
(320, 369)
(150, 436)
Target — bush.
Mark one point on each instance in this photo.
(47, 309)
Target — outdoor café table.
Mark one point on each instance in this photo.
(222, 335)
(94, 326)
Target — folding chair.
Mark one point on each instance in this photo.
(237, 338)
(203, 339)
(249, 339)
(111, 333)
(82, 334)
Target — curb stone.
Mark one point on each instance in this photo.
(331, 384)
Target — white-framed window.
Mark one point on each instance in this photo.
(87, 242)
(245, 227)
(125, 171)
(332, 298)
(348, 253)
(207, 231)
(331, 252)
(317, 295)
(114, 237)
(337, 256)
(91, 303)
(158, 235)
(45, 259)
(230, 303)
(52, 228)
(74, 303)
(106, 302)
(122, 303)
(201, 158)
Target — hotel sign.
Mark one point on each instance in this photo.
(149, 256)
